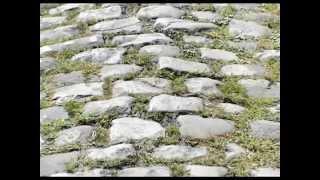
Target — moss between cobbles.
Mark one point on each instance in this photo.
(178, 86)
(203, 7)
(271, 8)
(50, 129)
(273, 71)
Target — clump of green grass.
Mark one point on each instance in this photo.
(271, 8)
(232, 91)
(228, 11)
(50, 129)
(107, 88)
(273, 69)
(178, 170)
(73, 107)
(52, 149)
(45, 103)
(219, 36)
(83, 27)
(178, 85)
(217, 65)
(190, 53)
(101, 136)
(172, 135)
(204, 7)
(134, 57)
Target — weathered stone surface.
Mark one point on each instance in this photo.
(121, 104)
(249, 46)
(55, 163)
(231, 108)
(275, 109)
(265, 129)
(204, 86)
(118, 70)
(234, 151)
(127, 26)
(159, 11)
(218, 54)
(166, 24)
(196, 39)
(116, 152)
(76, 44)
(156, 82)
(260, 88)
(101, 56)
(53, 113)
(182, 65)
(41, 142)
(267, 55)
(48, 5)
(78, 134)
(68, 79)
(65, 8)
(197, 127)
(206, 16)
(247, 29)
(161, 50)
(265, 172)
(47, 64)
(77, 91)
(100, 14)
(141, 40)
(171, 152)
(168, 103)
(134, 129)
(246, 6)
(42, 95)
(243, 70)
(87, 173)
(258, 17)
(58, 33)
(122, 88)
(49, 22)
(152, 171)
(206, 171)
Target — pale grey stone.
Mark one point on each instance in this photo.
(265, 172)
(76, 44)
(258, 17)
(121, 104)
(206, 171)
(161, 50)
(101, 56)
(267, 55)
(166, 24)
(197, 127)
(48, 22)
(42, 95)
(126, 25)
(275, 109)
(68, 79)
(259, 88)
(243, 70)
(141, 40)
(172, 152)
(204, 86)
(65, 8)
(197, 40)
(168, 103)
(79, 134)
(134, 129)
(246, 6)
(119, 70)
(152, 171)
(248, 29)
(231, 108)
(249, 46)
(159, 11)
(265, 129)
(116, 152)
(59, 33)
(218, 54)
(234, 151)
(41, 142)
(76, 91)
(100, 14)
(182, 65)
(206, 16)
(123, 88)
(156, 82)
(87, 173)
(47, 64)
(52, 114)
(55, 163)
